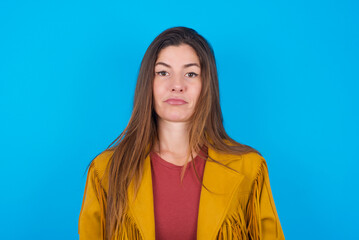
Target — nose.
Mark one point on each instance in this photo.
(177, 89)
(177, 85)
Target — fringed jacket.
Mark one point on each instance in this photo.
(239, 206)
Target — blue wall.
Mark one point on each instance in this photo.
(288, 80)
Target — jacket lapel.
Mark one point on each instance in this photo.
(141, 207)
(213, 206)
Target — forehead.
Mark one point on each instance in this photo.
(181, 54)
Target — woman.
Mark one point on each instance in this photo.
(174, 173)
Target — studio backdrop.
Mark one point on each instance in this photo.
(288, 75)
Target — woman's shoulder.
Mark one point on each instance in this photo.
(252, 164)
(248, 164)
(100, 162)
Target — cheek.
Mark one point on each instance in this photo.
(197, 90)
(158, 91)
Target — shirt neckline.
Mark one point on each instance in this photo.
(160, 160)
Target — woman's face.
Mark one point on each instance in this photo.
(177, 83)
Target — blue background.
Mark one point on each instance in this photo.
(288, 75)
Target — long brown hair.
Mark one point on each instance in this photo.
(138, 138)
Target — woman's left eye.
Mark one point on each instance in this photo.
(191, 74)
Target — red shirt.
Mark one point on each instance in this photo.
(175, 203)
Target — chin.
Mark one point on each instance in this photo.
(174, 118)
(178, 119)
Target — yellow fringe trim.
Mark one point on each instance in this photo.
(102, 200)
(248, 227)
(128, 230)
(253, 217)
(101, 197)
(233, 227)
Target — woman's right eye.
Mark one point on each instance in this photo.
(162, 73)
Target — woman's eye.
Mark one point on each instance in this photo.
(162, 73)
(191, 74)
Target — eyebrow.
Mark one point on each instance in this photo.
(186, 65)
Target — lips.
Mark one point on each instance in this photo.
(174, 101)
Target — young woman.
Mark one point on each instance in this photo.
(174, 173)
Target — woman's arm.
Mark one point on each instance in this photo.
(91, 220)
(261, 211)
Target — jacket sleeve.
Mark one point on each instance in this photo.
(271, 226)
(92, 214)
(263, 218)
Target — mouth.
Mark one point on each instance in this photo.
(173, 101)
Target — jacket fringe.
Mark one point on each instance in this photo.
(101, 196)
(248, 227)
(233, 227)
(102, 199)
(253, 217)
(128, 229)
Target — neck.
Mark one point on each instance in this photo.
(173, 144)
(173, 138)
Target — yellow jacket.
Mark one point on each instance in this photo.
(240, 206)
